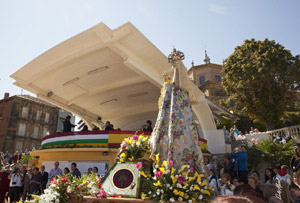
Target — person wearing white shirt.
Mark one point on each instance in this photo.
(226, 187)
(213, 180)
(15, 185)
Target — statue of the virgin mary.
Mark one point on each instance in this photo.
(174, 136)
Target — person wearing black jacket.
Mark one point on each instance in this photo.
(44, 175)
(68, 125)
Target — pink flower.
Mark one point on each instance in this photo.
(263, 155)
(79, 187)
(135, 137)
(158, 174)
(139, 165)
(124, 148)
(253, 139)
(102, 193)
(64, 179)
(171, 163)
(192, 170)
(257, 139)
(180, 179)
(252, 135)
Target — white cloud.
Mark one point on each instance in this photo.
(217, 9)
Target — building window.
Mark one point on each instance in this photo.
(22, 129)
(36, 131)
(202, 79)
(38, 115)
(46, 132)
(19, 146)
(25, 112)
(47, 115)
(218, 78)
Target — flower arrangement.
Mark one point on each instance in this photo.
(133, 147)
(170, 184)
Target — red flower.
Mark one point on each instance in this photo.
(119, 196)
(78, 187)
(64, 179)
(114, 195)
(99, 185)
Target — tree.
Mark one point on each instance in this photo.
(262, 77)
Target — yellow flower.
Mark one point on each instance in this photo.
(158, 184)
(184, 174)
(173, 179)
(83, 182)
(138, 142)
(122, 160)
(143, 174)
(126, 140)
(204, 183)
(88, 192)
(186, 184)
(176, 192)
(173, 170)
(123, 155)
(210, 187)
(130, 159)
(143, 195)
(201, 175)
(206, 192)
(162, 170)
(165, 163)
(181, 193)
(157, 158)
(196, 187)
(186, 196)
(130, 141)
(196, 174)
(193, 199)
(141, 137)
(183, 167)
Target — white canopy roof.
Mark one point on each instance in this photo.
(115, 74)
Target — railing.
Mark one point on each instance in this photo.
(293, 132)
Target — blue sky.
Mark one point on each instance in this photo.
(29, 28)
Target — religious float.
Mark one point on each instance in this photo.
(123, 89)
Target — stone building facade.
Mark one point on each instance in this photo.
(24, 121)
(208, 77)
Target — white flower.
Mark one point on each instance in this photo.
(176, 176)
(180, 198)
(179, 185)
(157, 192)
(138, 144)
(167, 171)
(154, 170)
(149, 192)
(154, 178)
(201, 197)
(171, 188)
(156, 166)
(201, 190)
(162, 191)
(205, 187)
(168, 185)
(184, 187)
(154, 195)
(190, 201)
(191, 188)
(172, 200)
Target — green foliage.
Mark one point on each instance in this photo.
(262, 77)
(276, 153)
(267, 151)
(25, 159)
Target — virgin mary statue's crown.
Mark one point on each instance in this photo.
(175, 56)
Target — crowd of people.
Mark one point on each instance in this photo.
(231, 178)
(22, 182)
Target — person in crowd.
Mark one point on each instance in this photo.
(226, 135)
(253, 181)
(226, 187)
(256, 130)
(236, 130)
(206, 161)
(269, 176)
(66, 171)
(85, 128)
(216, 166)
(148, 126)
(26, 184)
(24, 172)
(236, 181)
(212, 179)
(108, 126)
(240, 165)
(296, 178)
(295, 161)
(74, 170)
(276, 168)
(283, 174)
(45, 176)
(68, 125)
(228, 165)
(246, 190)
(251, 130)
(95, 170)
(55, 171)
(237, 199)
(15, 185)
(240, 135)
(256, 174)
(89, 171)
(295, 193)
(4, 183)
(112, 127)
(35, 182)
